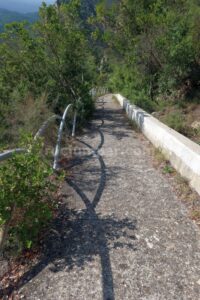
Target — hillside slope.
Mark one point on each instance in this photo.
(7, 16)
(87, 7)
(23, 6)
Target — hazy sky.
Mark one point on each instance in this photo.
(22, 5)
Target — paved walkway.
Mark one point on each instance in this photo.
(123, 234)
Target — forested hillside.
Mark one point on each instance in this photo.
(155, 46)
(7, 16)
(152, 56)
(88, 7)
(147, 50)
(43, 68)
(46, 65)
(23, 6)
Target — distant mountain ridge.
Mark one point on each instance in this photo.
(23, 6)
(88, 8)
(7, 16)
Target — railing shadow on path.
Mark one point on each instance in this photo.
(77, 236)
(98, 227)
(115, 124)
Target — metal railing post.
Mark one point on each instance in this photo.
(58, 144)
(74, 124)
(7, 154)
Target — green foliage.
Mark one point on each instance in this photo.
(155, 44)
(87, 7)
(43, 68)
(168, 169)
(141, 99)
(52, 58)
(129, 83)
(26, 198)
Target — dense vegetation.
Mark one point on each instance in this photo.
(27, 197)
(88, 7)
(152, 49)
(148, 50)
(43, 67)
(48, 64)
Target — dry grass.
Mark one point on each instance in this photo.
(25, 115)
(181, 117)
(159, 156)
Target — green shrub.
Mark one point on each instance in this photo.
(168, 169)
(143, 101)
(85, 110)
(26, 198)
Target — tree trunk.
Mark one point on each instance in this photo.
(5, 229)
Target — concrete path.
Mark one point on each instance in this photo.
(123, 234)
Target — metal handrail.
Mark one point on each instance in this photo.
(7, 154)
(60, 131)
(45, 126)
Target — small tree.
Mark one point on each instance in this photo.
(26, 198)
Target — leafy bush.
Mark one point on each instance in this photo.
(51, 60)
(85, 110)
(155, 45)
(128, 82)
(168, 169)
(143, 101)
(26, 198)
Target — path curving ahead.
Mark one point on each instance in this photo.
(123, 234)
